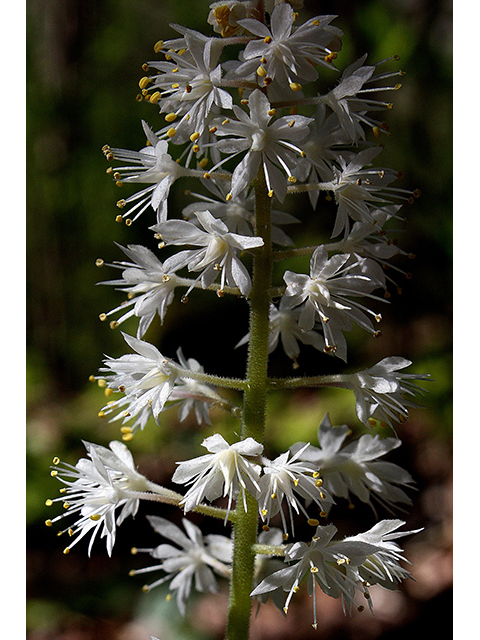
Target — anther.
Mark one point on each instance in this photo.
(313, 522)
(66, 551)
(203, 163)
(56, 460)
(158, 46)
(195, 136)
(220, 293)
(133, 551)
(155, 97)
(295, 86)
(95, 517)
(48, 523)
(377, 132)
(314, 569)
(228, 197)
(113, 324)
(291, 179)
(171, 132)
(102, 382)
(118, 218)
(266, 527)
(144, 82)
(121, 204)
(271, 112)
(267, 40)
(170, 117)
(128, 437)
(262, 72)
(54, 473)
(103, 317)
(128, 223)
(398, 86)
(132, 572)
(323, 514)
(264, 512)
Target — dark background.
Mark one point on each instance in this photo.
(84, 61)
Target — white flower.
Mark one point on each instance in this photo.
(224, 16)
(95, 488)
(238, 213)
(355, 469)
(190, 84)
(359, 191)
(324, 562)
(150, 286)
(283, 478)
(152, 165)
(285, 54)
(339, 568)
(382, 567)
(352, 99)
(268, 145)
(223, 471)
(146, 378)
(382, 392)
(284, 328)
(192, 563)
(217, 253)
(328, 291)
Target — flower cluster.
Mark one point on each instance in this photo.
(255, 130)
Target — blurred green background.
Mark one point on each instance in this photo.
(84, 61)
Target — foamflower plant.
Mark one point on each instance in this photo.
(242, 109)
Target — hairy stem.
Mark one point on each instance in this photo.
(254, 413)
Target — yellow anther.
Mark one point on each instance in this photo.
(54, 473)
(262, 72)
(314, 569)
(313, 522)
(271, 112)
(398, 86)
(267, 39)
(270, 193)
(145, 588)
(144, 82)
(319, 482)
(228, 197)
(206, 175)
(170, 117)
(132, 572)
(295, 482)
(101, 414)
(99, 262)
(322, 495)
(315, 23)
(48, 523)
(155, 97)
(220, 293)
(109, 170)
(56, 460)
(102, 382)
(118, 218)
(195, 148)
(264, 512)
(128, 222)
(127, 437)
(171, 132)
(175, 85)
(66, 551)
(285, 610)
(63, 490)
(295, 86)
(285, 536)
(168, 597)
(126, 429)
(158, 46)
(195, 136)
(341, 561)
(119, 183)
(292, 179)
(376, 132)
(323, 514)
(203, 163)
(103, 317)
(244, 102)
(273, 496)
(108, 392)
(133, 551)
(266, 527)
(66, 505)
(121, 204)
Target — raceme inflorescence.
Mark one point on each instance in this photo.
(243, 111)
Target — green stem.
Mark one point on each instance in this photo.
(254, 413)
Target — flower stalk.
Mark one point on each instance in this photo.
(253, 419)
